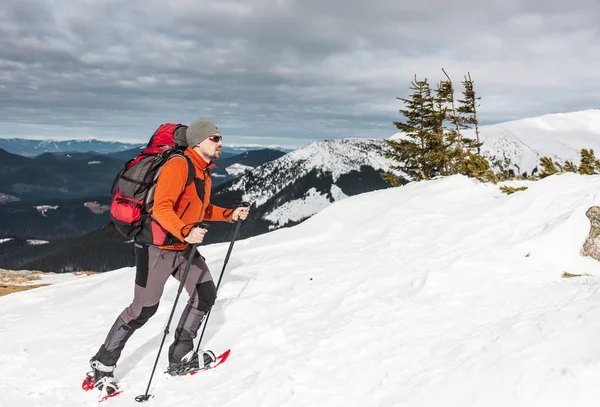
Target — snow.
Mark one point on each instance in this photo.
(238, 169)
(94, 162)
(560, 136)
(36, 241)
(43, 209)
(6, 240)
(438, 293)
(299, 209)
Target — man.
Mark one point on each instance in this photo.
(177, 209)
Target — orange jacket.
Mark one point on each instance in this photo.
(177, 206)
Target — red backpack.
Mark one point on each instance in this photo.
(135, 182)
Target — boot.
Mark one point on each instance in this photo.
(187, 364)
(190, 363)
(103, 378)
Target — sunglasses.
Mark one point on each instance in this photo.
(215, 138)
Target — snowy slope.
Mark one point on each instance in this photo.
(438, 293)
(560, 136)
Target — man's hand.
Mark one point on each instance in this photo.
(241, 213)
(196, 235)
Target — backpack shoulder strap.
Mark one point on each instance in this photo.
(190, 165)
(191, 170)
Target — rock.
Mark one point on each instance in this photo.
(591, 247)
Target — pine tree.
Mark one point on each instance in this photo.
(451, 153)
(411, 150)
(468, 108)
(431, 141)
(570, 167)
(548, 167)
(589, 163)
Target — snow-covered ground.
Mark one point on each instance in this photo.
(438, 293)
(43, 209)
(238, 169)
(303, 208)
(37, 241)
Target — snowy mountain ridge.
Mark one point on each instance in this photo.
(337, 157)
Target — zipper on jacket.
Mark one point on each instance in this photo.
(185, 210)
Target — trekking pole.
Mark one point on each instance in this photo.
(235, 233)
(146, 396)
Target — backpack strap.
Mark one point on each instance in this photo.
(190, 165)
(191, 170)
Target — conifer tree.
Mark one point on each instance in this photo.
(468, 108)
(410, 150)
(451, 152)
(548, 167)
(570, 167)
(589, 165)
(431, 142)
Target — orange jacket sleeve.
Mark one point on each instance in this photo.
(169, 187)
(216, 213)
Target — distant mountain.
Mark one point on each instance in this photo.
(560, 136)
(125, 155)
(51, 176)
(54, 218)
(232, 167)
(32, 148)
(252, 147)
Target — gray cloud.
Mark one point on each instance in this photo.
(283, 71)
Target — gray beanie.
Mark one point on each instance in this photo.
(199, 131)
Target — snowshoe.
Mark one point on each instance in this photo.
(191, 363)
(101, 378)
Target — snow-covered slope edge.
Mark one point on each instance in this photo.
(443, 292)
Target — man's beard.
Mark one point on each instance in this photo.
(216, 154)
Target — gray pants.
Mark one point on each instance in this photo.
(153, 268)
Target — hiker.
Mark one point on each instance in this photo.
(178, 209)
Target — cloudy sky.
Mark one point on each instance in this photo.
(283, 72)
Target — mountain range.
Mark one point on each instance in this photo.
(32, 148)
(79, 175)
(119, 150)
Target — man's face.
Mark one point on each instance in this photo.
(211, 147)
